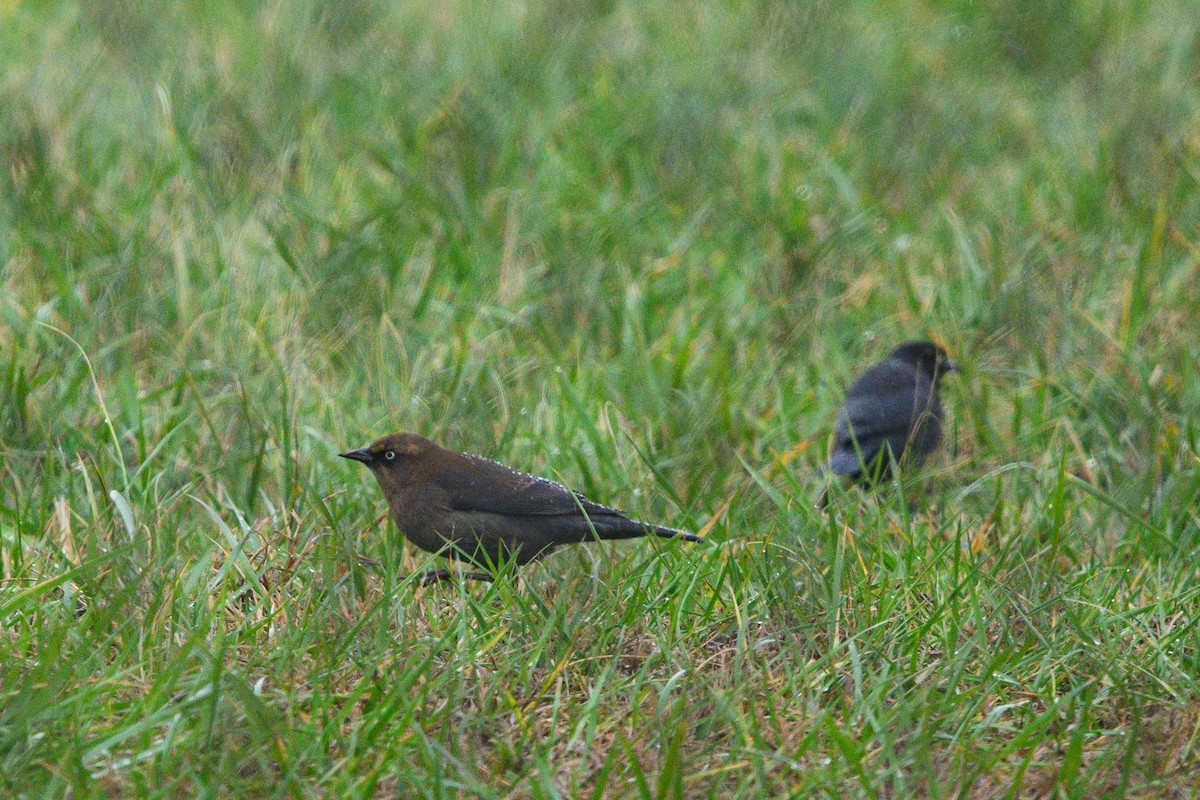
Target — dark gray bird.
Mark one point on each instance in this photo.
(892, 414)
(472, 508)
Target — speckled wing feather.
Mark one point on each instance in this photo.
(483, 485)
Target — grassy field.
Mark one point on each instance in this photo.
(641, 247)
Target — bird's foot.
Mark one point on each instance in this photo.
(439, 575)
(434, 576)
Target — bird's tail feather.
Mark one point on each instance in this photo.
(632, 529)
(675, 533)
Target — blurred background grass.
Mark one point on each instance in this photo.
(641, 247)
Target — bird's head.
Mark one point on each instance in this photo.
(393, 457)
(927, 357)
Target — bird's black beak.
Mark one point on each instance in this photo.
(363, 455)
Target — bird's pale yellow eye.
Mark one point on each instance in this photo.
(390, 455)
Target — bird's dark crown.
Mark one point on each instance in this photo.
(394, 449)
(925, 356)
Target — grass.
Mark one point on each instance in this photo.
(641, 247)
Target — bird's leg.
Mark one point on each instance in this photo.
(823, 500)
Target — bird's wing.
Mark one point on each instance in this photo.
(865, 427)
(884, 402)
(482, 485)
(866, 418)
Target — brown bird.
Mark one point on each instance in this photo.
(471, 508)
